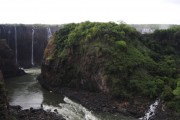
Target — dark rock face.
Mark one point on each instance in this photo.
(7, 61)
(33, 114)
(27, 48)
(54, 73)
(3, 99)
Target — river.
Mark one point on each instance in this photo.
(27, 92)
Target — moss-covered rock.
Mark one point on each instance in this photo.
(111, 58)
(96, 57)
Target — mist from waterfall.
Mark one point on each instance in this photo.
(15, 38)
(49, 33)
(32, 52)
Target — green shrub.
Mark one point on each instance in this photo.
(177, 90)
(174, 104)
(167, 93)
(121, 44)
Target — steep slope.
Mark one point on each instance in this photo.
(165, 45)
(99, 57)
(113, 59)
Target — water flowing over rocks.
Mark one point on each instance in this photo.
(151, 112)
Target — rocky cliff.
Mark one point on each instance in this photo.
(7, 61)
(27, 42)
(3, 99)
(114, 59)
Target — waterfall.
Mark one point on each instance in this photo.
(32, 52)
(9, 33)
(78, 108)
(0, 33)
(151, 112)
(49, 33)
(72, 110)
(15, 37)
(4, 30)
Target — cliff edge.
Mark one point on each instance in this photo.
(113, 59)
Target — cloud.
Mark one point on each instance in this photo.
(177, 2)
(65, 11)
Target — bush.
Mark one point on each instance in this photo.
(174, 104)
(167, 93)
(177, 90)
(121, 44)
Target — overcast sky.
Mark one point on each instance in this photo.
(66, 11)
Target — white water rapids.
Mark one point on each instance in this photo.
(72, 111)
(26, 92)
(151, 112)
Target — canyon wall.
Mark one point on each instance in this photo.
(3, 99)
(27, 42)
(7, 61)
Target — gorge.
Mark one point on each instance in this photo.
(27, 41)
(93, 70)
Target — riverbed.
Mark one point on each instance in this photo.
(27, 92)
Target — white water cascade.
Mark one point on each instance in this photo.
(9, 34)
(72, 111)
(32, 52)
(49, 33)
(15, 37)
(151, 112)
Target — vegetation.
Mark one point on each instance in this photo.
(130, 64)
(166, 52)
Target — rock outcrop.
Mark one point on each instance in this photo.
(96, 57)
(113, 59)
